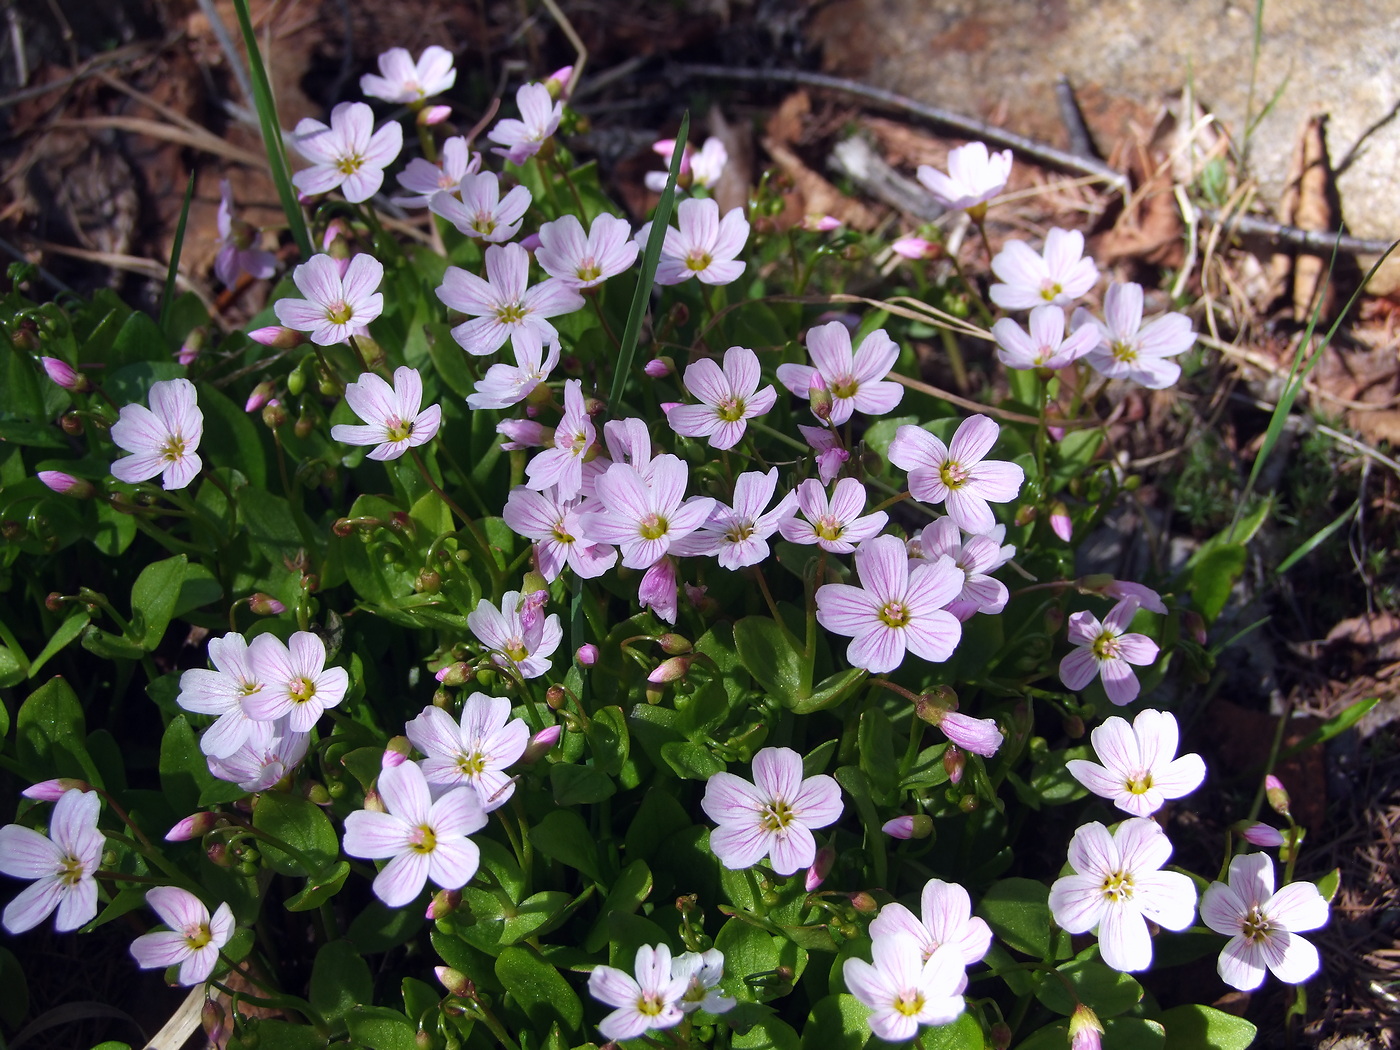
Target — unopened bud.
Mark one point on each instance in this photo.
(558, 83)
(72, 423)
(540, 744)
(670, 670)
(53, 790)
(443, 904)
(395, 752)
(67, 484)
(1000, 1035)
(954, 762)
(913, 248)
(918, 826)
(587, 654)
(261, 395)
(1085, 1029)
(1194, 625)
(317, 794)
(555, 696)
(303, 427)
(1277, 795)
(65, 375)
(820, 869)
(454, 674)
(442, 698)
(969, 804)
(274, 415)
(659, 367)
(54, 602)
(423, 1039)
(1074, 726)
(674, 644)
(430, 115)
(1025, 514)
(277, 337)
(427, 582)
(374, 803)
(456, 982)
(1260, 834)
(1060, 523)
(864, 903)
(26, 336)
(219, 855)
(212, 1018)
(265, 604)
(192, 827)
(820, 397)
(190, 348)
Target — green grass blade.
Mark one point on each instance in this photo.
(168, 300)
(1333, 727)
(1316, 539)
(272, 132)
(660, 220)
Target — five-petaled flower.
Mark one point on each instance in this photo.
(1117, 886)
(974, 177)
(896, 608)
(405, 81)
(958, 474)
(1129, 349)
(1059, 275)
(738, 536)
(63, 865)
(162, 438)
(481, 211)
(502, 304)
(1105, 649)
(855, 380)
(1046, 345)
(238, 250)
(645, 516)
(422, 839)
(834, 524)
(586, 261)
(947, 918)
(348, 153)
(522, 643)
(393, 420)
(473, 752)
(539, 119)
(1262, 925)
(504, 385)
(422, 178)
(221, 692)
(1140, 770)
(193, 940)
(905, 989)
(772, 817)
(701, 245)
(296, 683)
(647, 1002)
(729, 398)
(555, 527)
(336, 306)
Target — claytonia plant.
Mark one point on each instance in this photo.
(395, 420)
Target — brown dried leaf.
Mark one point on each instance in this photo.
(817, 195)
(1313, 212)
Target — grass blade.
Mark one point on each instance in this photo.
(168, 300)
(660, 220)
(272, 132)
(1334, 726)
(1317, 538)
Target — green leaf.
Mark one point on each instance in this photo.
(1106, 991)
(340, 979)
(830, 691)
(963, 1034)
(876, 738)
(1334, 726)
(563, 836)
(153, 598)
(320, 889)
(838, 1022)
(1316, 539)
(538, 989)
(749, 949)
(377, 1028)
(14, 1004)
(379, 927)
(198, 589)
(1329, 884)
(767, 1033)
(68, 630)
(300, 824)
(167, 301)
(284, 1035)
(770, 655)
(628, 893)
(1018, 911)
(658, 817)
(1195, 1027)
(532, 913)
(691, 761)
(49, 733)
(1213, 576)
(607, 736)
(579, 785)
(270, 524)
(231, 440)
(184, 773)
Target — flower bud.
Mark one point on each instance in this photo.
(72, 423)
(555, 696)
(670, 670)
(1000, 1035)
(674, 644)
(540, 744)
(195, 826)
(454, 674)
(427, 582)
(1073, 726)
(558, 83)
(430, 115)
(659, 367)
(395, 752)
(821, 868)
(954, 762)
(1260, 834)
(190, 348)
(65, 375)
(317, 794)
(911, 247)
(444, 903)
(1025, 514)
(274, 415)
(265, 604)
(213, 1018)
(587, 654)
(1085, 1029)
(261, 395)
(456, 982)
(53, 603)
(820, 397)
(918, 826)
(1277, 795)
(277, 337)
(219, 855)
(374, 803)
(53, 790)
(26, 336)
(67, 484)
(1194, 626)
(1060, 523)
(864, 903)
(981, 736)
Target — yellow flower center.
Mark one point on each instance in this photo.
(70, 871)
(698, 260)
(828, 528)
(653, 527)
(845, 386)
(424, 840)
(473, 764)
(1139, 785)
(561, 535)
(777, 815)
(512, 313)
(349, 165)
(738, 533)
(1256, 926)
(894, 614)
(302, 690)
(910, 1004)
(731, 409)
(1050, 290)
(650, 1004)
(198, 937)
(1118, 886)
(1105, 646)
(1124, 351)
(954, 475)
(339, 313)
(515, 649)
(484, 224)
(174, 449)
(399, 430)
(588, 270)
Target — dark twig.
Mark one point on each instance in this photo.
(1320, 241)
(1081, 143)
(959, 122)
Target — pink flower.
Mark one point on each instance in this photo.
(393, 422)
(834, 524)
(702, 245)
(162, 438)
(194, 938)
(296, 683)
(1103, 649)
(856, 381)
(505, 385)
(238, 251)
(348, 154)
(404, 81)
(644, 518)
(658, 590)
(473, 753)
(958, 474)
(831, 457)
(1046, 345)
(511, 642)
(975, 556)
(562, 465)
(482, 212)
(585, 262)
(61, 865)
(221, 692)
(911, 247)
(905, 991)
(1263, 925)
(738, 536)
(423, 179)
(697, 169)
(728, 399)
(1146, 596)
(649, 1002)
(539, 119)
(53, 790)
(974, 177)
(1140, 769)
(981, 736)
(557, 531)
(502, 304)
(1059, 276)
(1263, 835)
(1117, 886)
(771, 817)
(421, 838)
(336, 307)
(270, 753)
(947, 919)
(1129, 349)
(895, 609)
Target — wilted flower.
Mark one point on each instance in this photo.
(271, 751)
(193, 940)
(348, 153)
(162, 438)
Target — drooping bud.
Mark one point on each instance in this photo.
(587, 654)
(558, 83)
(277, 337)
(317, 794)
(540, 744)
(820, 869)
(555, 696)
(265, 604)
(212, 1019)
(72, 423)
(1277, 795)
(374, 803)
(918, 826)
(396, 751)
(1260, 834)
(674, 644)
(53, 790)
(1000, 1036)
(273, 414)
(1193, 625)
(913, 248)
(190, 348)
(864, 903)
(195, 826)
(954, 762)
(820, 397)
(261, 395)
(67, 484)
(978, 735)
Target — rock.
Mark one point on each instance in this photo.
(999, 59)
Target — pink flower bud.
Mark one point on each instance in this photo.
(67, 484)
(190, 348)
(1277, 795)
(659, 367)
(918, 826)
(1085, 1029)
(1146, 597)
(978, 735)
(374, 803)
(912, 248)
(261, 395)
(587, 654)
(1262, 835)
(671, 670)
(265, 604)
(524, 433)
(454, 674)
(820, 397)
(531, 608)
(821, 223)
(62, 373)
(540, 744)
(395, 752)
(53, 790)
(277, 337)
(456, 982)
(430, 115)
(212, 1018)
(657, 591)
(821, 868)
(1060, 523)
(444, 903)
(954, 762)
(558, 82)
(195, 826)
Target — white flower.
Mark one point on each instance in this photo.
(297, 683)
(947, 919)
(393, 422)
(539, 119)
(1140, 769)
(221, 692)
(905, 990)
(703, 971)
(162, 438)
(474, 752)
(271, 751)
(349, 153)
(702, 245)
(1129, 349)
(650, 1001)
(584, 262)
(422, 178)
(502, 305)
(404, 81)
(338, 304)
(511, 640)
(1263, 925)
(504, 385)
(482, 211)
(194, 938)
(974, 177)
(1062, 274)
(958, 474)
(63, 865)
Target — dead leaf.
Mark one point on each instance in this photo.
(818, 196)
(1313, 212)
